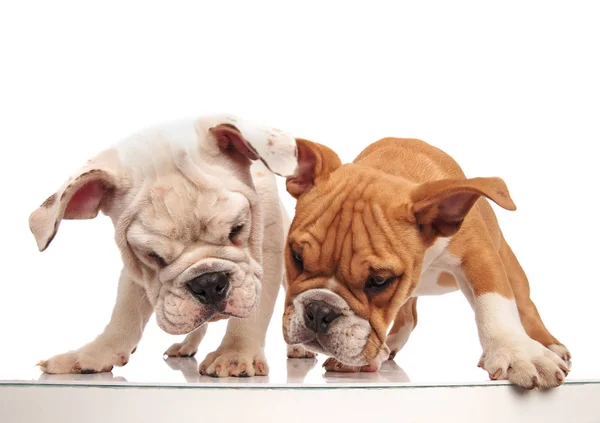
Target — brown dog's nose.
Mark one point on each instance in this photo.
(318, 315)
(210, 288)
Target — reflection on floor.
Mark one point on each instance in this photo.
(452, 362)
(293, 372)
(296, 372)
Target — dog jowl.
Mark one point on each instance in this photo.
(191, 203)
(403, 221)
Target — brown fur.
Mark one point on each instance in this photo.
(379, 214)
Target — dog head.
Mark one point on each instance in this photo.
(186, 213)
(356, 247)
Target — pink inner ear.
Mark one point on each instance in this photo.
(84, 204)
(228, 137)
(305, 178)
(456, 206)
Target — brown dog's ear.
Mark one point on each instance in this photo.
(244, 141)
(314, 161)
(84, 194)
(441, 206)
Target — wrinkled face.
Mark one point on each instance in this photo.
(358, 243)
(193, 246)
(186, 213)
(354, 258)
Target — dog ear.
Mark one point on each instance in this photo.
(91, 189)
(315, 161)
(440, 207)
(243, 142)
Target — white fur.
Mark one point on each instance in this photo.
(189, 346)
(396, 341)
(436, 260)
(186, 153)
(120, 337)
(346, 337)
(508, 352)
(331, 283)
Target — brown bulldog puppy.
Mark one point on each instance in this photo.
(399, 222)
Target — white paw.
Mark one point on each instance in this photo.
(397, 340)
(239, 362)
(88, 359)
(333, 365)
(561, 351)
(182, 349)
(298, 351)
(524, 362)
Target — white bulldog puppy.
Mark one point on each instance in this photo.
(201, 232)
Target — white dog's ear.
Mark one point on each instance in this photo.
(245, 141)
(91, 189)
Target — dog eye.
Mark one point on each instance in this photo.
(378, 283)
(297, 257)
(234, 231)
(157, 259)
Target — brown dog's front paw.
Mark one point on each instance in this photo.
(298, 351)
(84, 361)
(525, 363)
(235, 362)
(333, 365)
(561, 351)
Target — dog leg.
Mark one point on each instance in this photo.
(119, 339)
(189, 346)
(242, 351)
(508, 352)
(404, 324)
(532, 322)
(297, 350)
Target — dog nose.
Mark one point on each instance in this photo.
(210, 288)
(318, 315)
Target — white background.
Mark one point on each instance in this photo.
(510, 89)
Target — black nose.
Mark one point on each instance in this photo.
(318, 315)
(210, 288)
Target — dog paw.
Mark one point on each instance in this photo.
(561, 351)
(396, 341)
(238, 362)
(181, 349)
(526, 363)
(85, 360)
(298, 351)
(333, 365)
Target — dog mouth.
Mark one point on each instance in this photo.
(181, 324)
(340, 352)
(184, 309)
(323, 322)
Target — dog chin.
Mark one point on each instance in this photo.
(333, 346)
(182, 329)
(185, 323)
(318, 347)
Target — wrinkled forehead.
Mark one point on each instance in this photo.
(176, 207)
(353, 197)
(350, 237)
